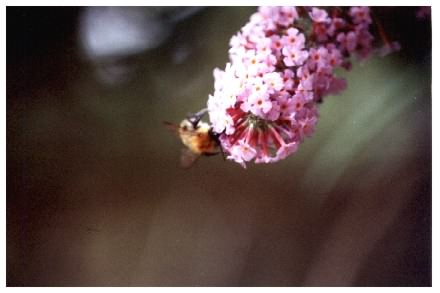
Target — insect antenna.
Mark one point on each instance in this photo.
(195, 118)
(171, 126)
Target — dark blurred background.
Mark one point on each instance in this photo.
(95, 195)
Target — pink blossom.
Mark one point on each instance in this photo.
(321, 31)
(293, 38)
(277, 44)
(294, 56)
(365, 40)
(286, 104)
(273, 81)
(360, 15)
(288, 79)
(263, 47)
(283, 16)
(259, 104)
(336, 24)
(265, 102)
(336, 86)
(286, 149)
(289, 13)
(319, 15)
(334, 57)
(222, 122)
(242, 152)
(274, 112)
(318, 57)
(348, 41)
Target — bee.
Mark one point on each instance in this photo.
(197, 136)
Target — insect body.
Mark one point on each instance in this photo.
(197, 136)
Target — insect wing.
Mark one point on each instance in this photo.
(188, 158)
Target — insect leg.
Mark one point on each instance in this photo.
(215, 136)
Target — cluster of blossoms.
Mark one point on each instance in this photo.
(282, 64)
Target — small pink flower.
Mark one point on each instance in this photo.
(286, 149)
(243, 151)
(264, 46)
(285, 16)
(273, 81)
(267, 12)
(306, 83)
(222, 122)
(298, 101)
(293, 38)
(274, 112)
(251, 58)
(303, 72)
(334, 57)
(321, 31)
(319, 15)
(288, 79)
(365, 40)
(318, 57)
(294, 56)
(287, 105)
(360, 14)
(269, 63)
(260, 104)
(348, 41)
(276, 44)
(237, 41)
(336, 25)
(337, 85)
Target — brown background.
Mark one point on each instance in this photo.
(95, 196)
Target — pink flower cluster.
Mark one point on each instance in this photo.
(281, 65)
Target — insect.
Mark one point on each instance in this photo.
(197, 136)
